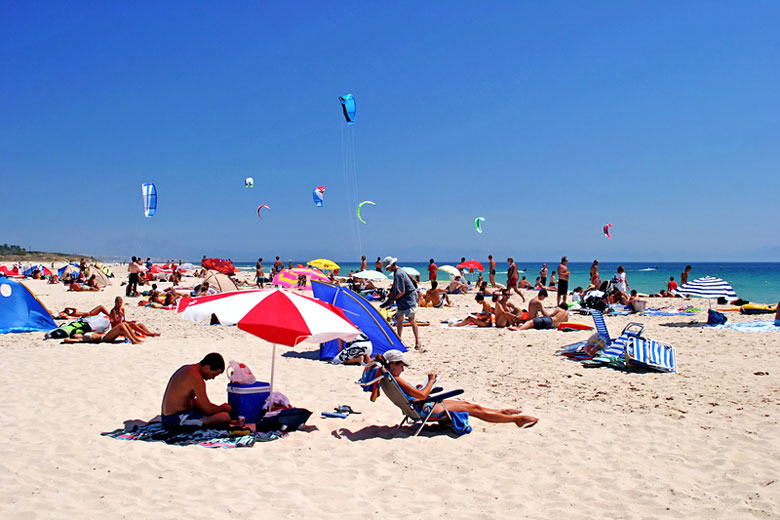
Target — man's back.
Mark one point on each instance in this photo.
(180, 392)
(535, 308)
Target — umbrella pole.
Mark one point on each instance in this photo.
(273, 366)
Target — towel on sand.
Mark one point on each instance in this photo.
(211, 438)
(753, 326)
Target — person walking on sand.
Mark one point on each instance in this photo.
(185, 402)
(432, 268)
(512, 277)
(395, 362)
(492, 270)
(404, 294)
(563, 280)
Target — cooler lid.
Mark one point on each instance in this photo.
(257, 387)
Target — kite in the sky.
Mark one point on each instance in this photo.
(349, 108)
(249, 182)
(318, 194)
(261, 207)
(606, 231)
(359, 208)
(149, 192)
(478, 224)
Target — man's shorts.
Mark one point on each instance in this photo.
(563, 286)
(543, 322)
(512, 282)
(544, 280)
(406, 313)
(186, 418)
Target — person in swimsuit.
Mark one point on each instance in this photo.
(395, 363)
(120, 329)
(595, 281)
(363, 263)
(378, 264)
(434, 297)
(185, 402)
(457, 287)
(259, 275)
(117, 316)
(684, 275)
(543, 274)
(432, 268)
(563, 282)
(512, 276)
(777, 315)
(483, 319)
(492, 267)
(558, 316)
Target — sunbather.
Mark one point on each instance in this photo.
(558, 316)
(396, 363)
(117, 316)
(434, 297)
(777, 315)
(482, 319)
(185, 402)
(118, 330)
(457, 287)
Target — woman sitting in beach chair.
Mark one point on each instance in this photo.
(395, 363)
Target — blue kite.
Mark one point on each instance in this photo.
(349, 107)
(149, 192)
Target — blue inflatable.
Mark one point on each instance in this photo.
(20, 310)
(362, 314)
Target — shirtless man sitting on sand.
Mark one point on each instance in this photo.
(558, 316)
(185, 402)
(434, 297)
(457, 287)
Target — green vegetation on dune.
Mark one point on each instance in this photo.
(14, 253)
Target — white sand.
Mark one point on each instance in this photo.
(703, 442)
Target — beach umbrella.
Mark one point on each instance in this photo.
(288, 278)
(708, 287)
(278, 316)
(221, 282)
(450, 270)
(471, 265)
(411, 271)
(370, 274)
(324, 263)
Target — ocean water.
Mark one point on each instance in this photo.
(754, 281)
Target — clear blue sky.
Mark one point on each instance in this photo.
(661, 118)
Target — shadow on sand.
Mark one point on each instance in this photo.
(391, 432)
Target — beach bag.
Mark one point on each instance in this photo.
(716, 318)
(287, 420)
(240, 373)
(460, 423)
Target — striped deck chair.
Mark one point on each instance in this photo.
(414, 410)
(614, 351)
(651, 355)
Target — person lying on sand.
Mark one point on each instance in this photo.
(185, 402)
(552, 321)
(395, 362)
(105, 337)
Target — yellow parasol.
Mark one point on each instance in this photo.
(324, 264)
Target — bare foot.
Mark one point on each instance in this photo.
(525, 421)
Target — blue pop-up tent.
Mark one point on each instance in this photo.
(20, 310)
(360, 312)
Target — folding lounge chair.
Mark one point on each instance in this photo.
(614, 348)
(414, 410)
(650, 354)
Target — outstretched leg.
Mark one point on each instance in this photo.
(489, 414)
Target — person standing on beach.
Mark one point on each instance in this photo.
(185, 402)
(684, 275)
(543, 274)
(278, 265)
(132, 278)
(595, 281)
(492, 270)
(259, 275)
(563, 280)
(363, 263)
(512, 276)
(378, 265)
(432, 268)
(404, 294)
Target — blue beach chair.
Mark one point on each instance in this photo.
(414, 410)
(651, 355)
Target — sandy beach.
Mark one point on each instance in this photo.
(703, 442)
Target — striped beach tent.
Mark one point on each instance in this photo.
(707, 287)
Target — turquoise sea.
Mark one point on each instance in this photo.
(757, 282)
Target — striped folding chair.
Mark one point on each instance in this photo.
(651, 355)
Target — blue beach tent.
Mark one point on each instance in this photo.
(20, 310)
(360, 312)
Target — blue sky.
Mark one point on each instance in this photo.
(660, 118)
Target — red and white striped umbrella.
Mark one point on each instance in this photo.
(278, 316)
